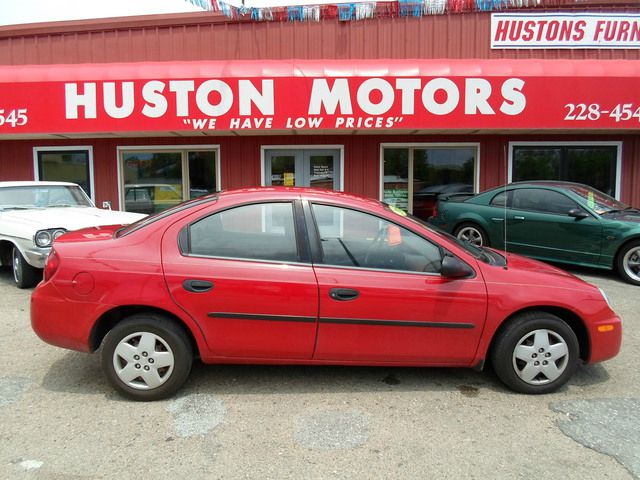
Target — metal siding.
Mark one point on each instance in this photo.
(208, 37)
(240, 158)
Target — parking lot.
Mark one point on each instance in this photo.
(61, 420)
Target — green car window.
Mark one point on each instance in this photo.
(542, 200)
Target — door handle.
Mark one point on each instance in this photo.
(197, 286)
(343, 294)
(518, 217)
(497, 219)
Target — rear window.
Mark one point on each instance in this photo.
(143, 222)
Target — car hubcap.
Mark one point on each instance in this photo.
(471, 235)
(631, 263)
(17, 266)
(540, 357)
(143, 361)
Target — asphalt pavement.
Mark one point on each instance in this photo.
(59, 419)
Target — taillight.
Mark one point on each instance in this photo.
(435, 210)
(53, 262)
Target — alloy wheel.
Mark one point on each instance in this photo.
(471, 235)
(631, 263)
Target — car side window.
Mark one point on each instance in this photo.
(263, 231)
(502, 199)
(541, 200)
(355, 239)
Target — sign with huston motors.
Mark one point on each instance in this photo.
(320, 95)
(565, 30)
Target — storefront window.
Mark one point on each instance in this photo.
(70, 165)
(156, 180)
(415, 177)
(591, 165)
(396, 177)
(202, 173)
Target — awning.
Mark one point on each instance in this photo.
(318, 95)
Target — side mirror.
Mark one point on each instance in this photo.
(578, 213)
(453, 267)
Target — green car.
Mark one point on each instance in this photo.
(553, 221)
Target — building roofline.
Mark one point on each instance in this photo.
(116, 23)
(207, 18)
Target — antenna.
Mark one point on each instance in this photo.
(504, 207)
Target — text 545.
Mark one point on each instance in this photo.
(16, 117)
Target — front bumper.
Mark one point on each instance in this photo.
(606, 339)
(37, 256)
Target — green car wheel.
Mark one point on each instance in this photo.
(629, 262)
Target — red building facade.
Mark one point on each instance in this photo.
(148, 111)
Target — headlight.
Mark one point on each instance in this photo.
(606, 299)
(44, 238)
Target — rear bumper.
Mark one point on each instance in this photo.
(606, 339)
(60, 321)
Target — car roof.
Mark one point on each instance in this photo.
(34, 183)
(305, 192)
(548, 183)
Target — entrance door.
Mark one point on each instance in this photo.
(303, 168)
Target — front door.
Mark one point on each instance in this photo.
(538, 225)
(382, 298)
(303, 168)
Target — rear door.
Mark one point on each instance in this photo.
(242, 274)
(382, 298)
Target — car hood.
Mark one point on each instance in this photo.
(25, 223)
(523, 272)
(629, 216)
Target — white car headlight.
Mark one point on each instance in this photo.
(44, 238)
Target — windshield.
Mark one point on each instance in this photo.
(478, 252)
(43, 196)
(599, 202)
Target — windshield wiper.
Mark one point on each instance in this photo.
(17, 207)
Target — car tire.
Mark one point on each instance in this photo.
(24, 275)
(147, 357)
(522, 347)
(628, 262)
(472, 233)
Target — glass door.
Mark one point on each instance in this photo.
(303, 168)
(282, 166)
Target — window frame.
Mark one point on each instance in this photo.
(184, 155)
(66, 148)
(423, 146)
(617, 144)
(299, 229)
(318, 252)
(514, 193)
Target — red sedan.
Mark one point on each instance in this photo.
(300, 276)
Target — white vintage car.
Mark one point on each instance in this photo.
(34, 214)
